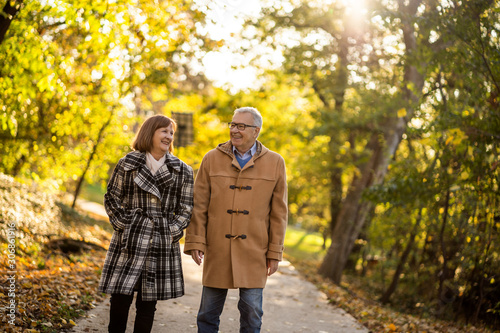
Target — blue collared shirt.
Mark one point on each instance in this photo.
(248, 154)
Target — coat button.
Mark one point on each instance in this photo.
(153, 200)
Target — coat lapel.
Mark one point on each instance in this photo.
(164, 177)
(144, 178)
(146, 181)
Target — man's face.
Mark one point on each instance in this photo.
(244, 140)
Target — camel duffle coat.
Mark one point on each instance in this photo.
(148, 214)
(239, 216)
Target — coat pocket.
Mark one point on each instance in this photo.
(170, 229)
(139, 228)
(176, 232)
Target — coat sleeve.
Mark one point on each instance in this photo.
(197, 231)
(279, 214)
(113, 199)
(184, 205)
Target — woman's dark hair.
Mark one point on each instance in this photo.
(143, 141)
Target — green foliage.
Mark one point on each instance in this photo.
(302, 245)
(67, 312)
(93, 192)
(72, 73)
(447, 169)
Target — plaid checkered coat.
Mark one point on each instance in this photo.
(148, 214)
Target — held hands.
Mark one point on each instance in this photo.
(197, 256)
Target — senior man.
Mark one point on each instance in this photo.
(239, 221)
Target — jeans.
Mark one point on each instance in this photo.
(212, 304)
(118, 314)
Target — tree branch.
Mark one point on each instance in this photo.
(7, 15)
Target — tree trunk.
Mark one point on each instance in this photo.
(402, 261)
(340, 84)
(17, 167)
(91, 157)
(445, 270)
(335, 199)
(9, 11)
(354, 210)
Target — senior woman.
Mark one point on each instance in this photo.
(149, 201)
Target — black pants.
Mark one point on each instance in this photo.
(118, 314)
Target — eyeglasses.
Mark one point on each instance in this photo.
(240, 127)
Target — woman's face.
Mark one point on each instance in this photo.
(162, 139)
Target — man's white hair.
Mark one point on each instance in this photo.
(257, 117)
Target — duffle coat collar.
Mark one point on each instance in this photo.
(227, 148)
(145, 179)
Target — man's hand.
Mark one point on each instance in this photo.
(272, 266)
(197, 256)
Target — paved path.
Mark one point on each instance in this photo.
(291, 304)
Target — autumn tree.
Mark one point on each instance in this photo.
(73, 77)
(342, 58)
(448, 160)
(392, 96)
(9, 11)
